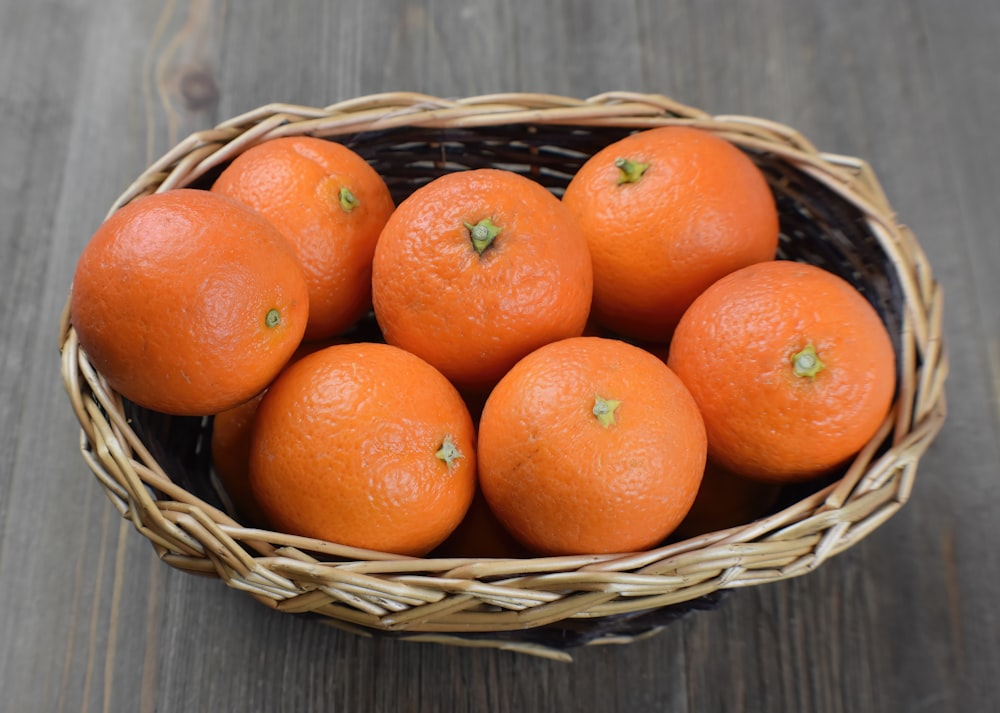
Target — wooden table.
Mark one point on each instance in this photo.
(91, 91)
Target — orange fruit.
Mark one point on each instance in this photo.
(231, 442)
(590, 445)
(331, 205)
(476, 269)
(188, 302)
(667, 212)
(480, 534)
(792, 368)
(726, 500)
(365, 445)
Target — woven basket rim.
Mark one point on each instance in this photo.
(384, 592)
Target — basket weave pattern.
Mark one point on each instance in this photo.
(833, 212)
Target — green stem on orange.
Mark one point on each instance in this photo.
(348, 201)
(448, 452)
(482, 234)
(631, 171)
(806, 362)
(272, 318)
(604, 410)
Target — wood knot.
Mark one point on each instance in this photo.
(198, 89)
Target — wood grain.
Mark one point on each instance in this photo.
(92, 91)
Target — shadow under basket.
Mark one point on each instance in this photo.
(156, 468)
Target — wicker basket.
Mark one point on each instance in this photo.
(156, 469)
